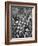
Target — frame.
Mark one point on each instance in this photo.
(8, 12)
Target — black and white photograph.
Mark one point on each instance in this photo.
(21, 22)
